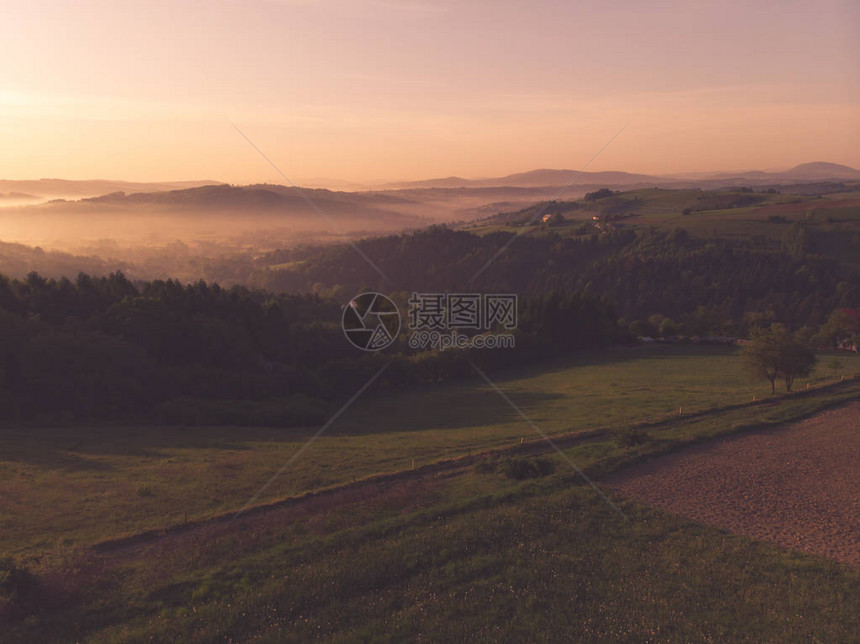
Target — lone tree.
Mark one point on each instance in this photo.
(796, 360)
(776, 352)
(761, 357)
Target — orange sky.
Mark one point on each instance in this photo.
(380, 90)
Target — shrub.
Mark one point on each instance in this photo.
(18, 590)
(632, 436)
(485, 466)
(517, 468)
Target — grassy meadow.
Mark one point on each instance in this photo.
(832, 220)
(534, 561)
(69, 486)
(443, 557)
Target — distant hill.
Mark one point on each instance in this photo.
(561, 177)
(52, 188)
(821, 170)
(544, 177)
(18, 196)
(532, 179)
(199, 208)
(446, 182)
(816, 171)
(253, 198)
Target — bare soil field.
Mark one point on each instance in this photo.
(797, 485)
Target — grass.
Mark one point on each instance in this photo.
(512, 549)
(481, 556)
(62, 487)
(832, 220)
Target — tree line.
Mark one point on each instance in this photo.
(108, 348)
(703, 287)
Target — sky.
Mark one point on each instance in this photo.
(384, 90)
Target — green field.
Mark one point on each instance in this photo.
(832, 220)
(66, 486)
(440, 557)
(525, 562)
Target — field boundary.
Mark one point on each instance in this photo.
(437, 468)
(451, 466)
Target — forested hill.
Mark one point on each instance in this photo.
(704, 286)
(101, 348)
(104, 347)
(199, 353)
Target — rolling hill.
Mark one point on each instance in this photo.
(815, 171)
(66, 188)
(533, 179)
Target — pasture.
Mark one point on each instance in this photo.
(442, 554)
(69, 486)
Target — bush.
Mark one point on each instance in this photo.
(485, 466)
(517, 468)
(18, 590)
(632, 436)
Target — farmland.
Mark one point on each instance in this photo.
(67, 486)
(400, 552)
(832, 219)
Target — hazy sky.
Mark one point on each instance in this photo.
(395, 89)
